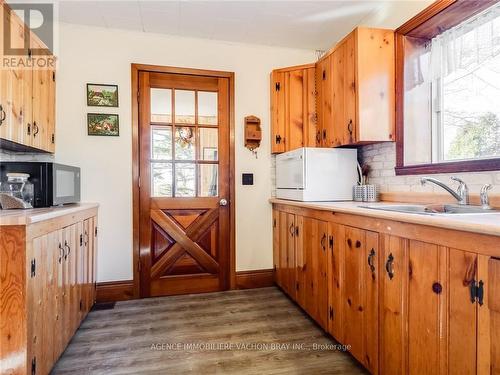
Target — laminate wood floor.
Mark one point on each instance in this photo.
(133, 338)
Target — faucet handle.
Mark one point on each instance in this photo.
(463, 190)
(459, 180)
(485, 200)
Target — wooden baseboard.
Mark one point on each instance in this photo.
(254, 279)
(114, 291)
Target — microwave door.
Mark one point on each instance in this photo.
(290, 173)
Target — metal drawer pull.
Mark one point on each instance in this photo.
(389, 266)
(61, 253)
(35, 129)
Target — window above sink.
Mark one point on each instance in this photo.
(448, 81)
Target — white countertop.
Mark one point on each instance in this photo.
(478, 223)
(35, 215)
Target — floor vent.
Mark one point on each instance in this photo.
(104, 306)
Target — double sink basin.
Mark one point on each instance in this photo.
(433, 209)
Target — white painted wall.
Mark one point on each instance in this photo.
(98, 55)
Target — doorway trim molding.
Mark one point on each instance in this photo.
(135, 69)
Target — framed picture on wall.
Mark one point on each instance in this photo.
(103, 124)
(99, 95)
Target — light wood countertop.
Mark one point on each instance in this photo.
(36, 215)
(476, 223)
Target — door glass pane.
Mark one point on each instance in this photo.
(161, 105)
(161, 179)
(208, 141)
(208, 186)
(207, 108)
(184, 107)
(185, 143)
(185, 180)
(161, 143)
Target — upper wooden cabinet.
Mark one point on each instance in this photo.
(293, 108)
(356, 93)
(27, 94)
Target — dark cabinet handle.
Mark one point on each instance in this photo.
(370, 260)
(29, 128)
(35, 129)
(358, 244)
(480, 293)
(324, 134)
(323, 239)
(473, 291)
(350, 127)
(318, 137)
(389, 266)
(69, 250)
(3, 115)
(330, 240)
(61, 253)
(291, 230)
(278, 139)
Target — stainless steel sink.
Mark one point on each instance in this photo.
(433, 209)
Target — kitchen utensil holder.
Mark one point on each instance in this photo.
(370, 193)
(357, 193)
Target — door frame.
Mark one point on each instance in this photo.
(135, 69)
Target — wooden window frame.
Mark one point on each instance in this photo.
(135, 69)
(438, 17)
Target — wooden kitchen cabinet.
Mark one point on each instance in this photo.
(42, 288)
(355, 84)
(407, 298)
(300, 258)
(293, 108)
(27, 94)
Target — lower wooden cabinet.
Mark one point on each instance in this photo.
(300, 258)
(60, 289)
(405, 303)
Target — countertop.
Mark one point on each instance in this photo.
(35, 215)
(476, 223)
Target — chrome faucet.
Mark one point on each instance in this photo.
(462, 193)
(485, 200)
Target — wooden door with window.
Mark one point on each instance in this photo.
(184, 183)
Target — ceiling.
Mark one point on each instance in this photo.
(297, 24)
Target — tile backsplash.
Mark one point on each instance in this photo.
(382, 160)
(25, 156)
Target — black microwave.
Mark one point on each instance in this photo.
(54, 184)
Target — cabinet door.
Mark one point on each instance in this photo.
(488, 301)
(371, 314)
(338, 96)
(15, 89)
(59, 281)
(315, 243)
(462, 313)
(35, 274)
(336, 235)
(349, 125)
(300, 262)
(290, 257)
(283, 251)
(310, 117)
(427, 285)
(276, 246)
(295, 96)
(324, 100)
(43, 105)
(392, 305)
(353, 284)
(277, 112)
(93, 278)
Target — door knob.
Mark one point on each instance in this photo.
(223, 202)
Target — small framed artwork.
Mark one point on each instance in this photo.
(102, 95)
(209, 153)
(103, 124)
